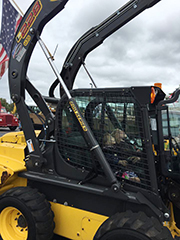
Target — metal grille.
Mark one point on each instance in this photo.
(116, 122)
(8, 119)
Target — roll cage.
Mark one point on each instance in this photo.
(95, 37)
(28, 33)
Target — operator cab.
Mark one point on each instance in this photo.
(120, 127)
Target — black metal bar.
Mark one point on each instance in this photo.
(51, 99)
(84, 128)
(148, 146)
(35, 153)
(95, 36)
(64, 182)
(38, 14)
(93, 145)
(39, 100)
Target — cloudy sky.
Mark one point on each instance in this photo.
(145, 51)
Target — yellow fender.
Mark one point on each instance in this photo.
(12, 146)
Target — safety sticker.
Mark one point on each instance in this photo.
(21, 54)
(18, 52)
(17, 49)
(30, 145)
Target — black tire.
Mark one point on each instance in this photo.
(132, 226)
(12, 128)
(32, 215)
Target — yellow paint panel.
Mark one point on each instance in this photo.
(13, 163)
(13, 181)
(74, 223)
(12, 146)
(16, 137)
(13, 138)
(90, 226)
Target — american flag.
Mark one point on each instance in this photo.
(9, 23)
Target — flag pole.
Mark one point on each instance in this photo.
(22, 14)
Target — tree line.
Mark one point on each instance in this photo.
(9, 106)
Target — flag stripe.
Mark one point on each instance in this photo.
(3, 55)
(3, 67)
(18, 20)
(4, 59)
(10, 22)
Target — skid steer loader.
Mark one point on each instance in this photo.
(106, 165)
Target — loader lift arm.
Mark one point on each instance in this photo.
(28, 33)
(95, 37)
(31, 26)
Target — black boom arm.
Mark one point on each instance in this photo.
(95, 36)
(31, 26)
(29, 30)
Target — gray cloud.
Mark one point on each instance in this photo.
(145, 51)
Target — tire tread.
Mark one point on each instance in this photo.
(39, 207)
(148, 226)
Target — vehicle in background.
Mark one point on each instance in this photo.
(8, 119)
(36, 116)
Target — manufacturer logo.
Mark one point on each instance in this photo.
(73, 107)
(36, 9)
(27, 40)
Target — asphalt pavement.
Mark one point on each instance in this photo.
(5, 130)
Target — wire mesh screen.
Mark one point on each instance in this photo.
(116, 122)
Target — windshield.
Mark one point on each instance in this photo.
(171, 133)
(3, 110)
(174, 122)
